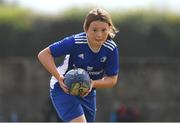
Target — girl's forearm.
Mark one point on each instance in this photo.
(47, 61)
(106, 82)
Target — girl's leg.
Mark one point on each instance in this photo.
(81, 119)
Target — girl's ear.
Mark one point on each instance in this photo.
(85, 30)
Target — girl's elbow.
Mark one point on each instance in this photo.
(39, 55)
(42, 53)
(114, 83)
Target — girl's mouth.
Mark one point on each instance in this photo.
(98, 40)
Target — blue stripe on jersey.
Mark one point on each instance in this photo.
(80, 35)
(81, 42)
(109, 47)
(110, 44)
(80, 39)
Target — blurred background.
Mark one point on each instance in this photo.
(149, 42)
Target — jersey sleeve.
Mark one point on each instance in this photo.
(62, 47)
(112, 65)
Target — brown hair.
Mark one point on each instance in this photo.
(99, 14)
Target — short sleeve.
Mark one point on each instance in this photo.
(62, 47)
(112, 65)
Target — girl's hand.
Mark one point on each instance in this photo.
(87, 92)
(62, 85)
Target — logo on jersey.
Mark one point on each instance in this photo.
(89, 68)
(103, 59)
(81, 56)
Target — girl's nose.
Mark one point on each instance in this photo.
(99, 34)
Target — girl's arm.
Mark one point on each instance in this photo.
(105, 82)
(47, 60)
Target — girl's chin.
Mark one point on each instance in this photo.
(99, 43)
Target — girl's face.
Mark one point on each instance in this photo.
(97, 33)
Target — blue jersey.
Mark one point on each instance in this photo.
(78, 54)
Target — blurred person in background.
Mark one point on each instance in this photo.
(93, 50)
(125, 114)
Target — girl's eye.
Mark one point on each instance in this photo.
(104, 30)
(94, 30)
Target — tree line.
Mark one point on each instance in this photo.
(142, 33)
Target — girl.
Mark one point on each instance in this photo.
(93, 50)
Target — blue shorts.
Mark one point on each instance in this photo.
(69, 107)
